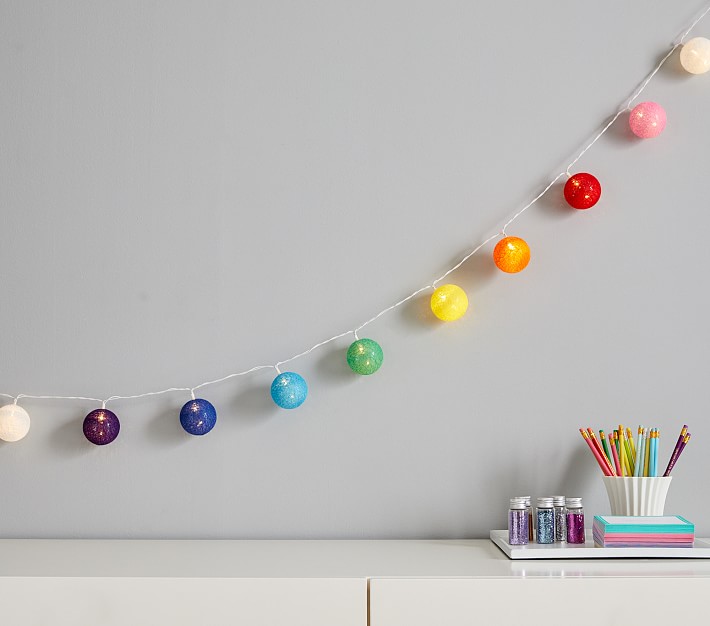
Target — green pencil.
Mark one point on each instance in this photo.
(602, 436)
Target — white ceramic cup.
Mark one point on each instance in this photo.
(637, 495)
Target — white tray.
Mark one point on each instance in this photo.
(701, 550)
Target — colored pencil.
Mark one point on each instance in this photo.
(686, 439)
(616, 458)
(642, 458)
(595, 452)
(602, 437)
(676, 450)
(647, 452)
(596, 443)
(629, 455)
(630, 437)
(623, 458)
(637, 460)
(652, 464)
(598, 446)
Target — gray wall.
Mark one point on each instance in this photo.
(190, 189)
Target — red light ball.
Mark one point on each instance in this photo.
(582, 191)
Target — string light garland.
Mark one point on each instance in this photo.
(449, 302)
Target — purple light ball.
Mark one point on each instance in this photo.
(101, 426)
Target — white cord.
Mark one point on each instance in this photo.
(626, 107)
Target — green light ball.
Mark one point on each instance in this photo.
(365, 356)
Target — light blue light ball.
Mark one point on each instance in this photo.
(289, 390)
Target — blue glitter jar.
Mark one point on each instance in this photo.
(545, 520)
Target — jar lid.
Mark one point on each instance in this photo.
(525, 499)
(544, 503)
(517, 503)
(574, 503)
(558, 500)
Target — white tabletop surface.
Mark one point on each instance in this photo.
(307, 559)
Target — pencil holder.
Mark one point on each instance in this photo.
(637, 495)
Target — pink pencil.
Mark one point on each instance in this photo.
(595, 452)
(615, 454)
(599, 448)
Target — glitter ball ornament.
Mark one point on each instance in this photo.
(647, 120)
(511, 254)
(365, 356)
(582, 191)
(695, 55)
(101, 426)
(449, 302)
(14, 422)
(289, 390)
(198, 417)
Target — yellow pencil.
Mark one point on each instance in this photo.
(622, 450)
(629, 455)
(630, 437)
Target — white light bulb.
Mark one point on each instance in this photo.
(695, 55)
(14, 422)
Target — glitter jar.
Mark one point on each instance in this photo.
(528, 508)
(575, 520)
(545, 518)
(560, 518)
(517, 522)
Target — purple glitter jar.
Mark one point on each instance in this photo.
(517, 522)
(575, 521)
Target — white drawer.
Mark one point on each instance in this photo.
(34, 601)
(592, 601)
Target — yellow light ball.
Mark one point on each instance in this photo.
(511, 254)
(695, 55)
(449, 302)
(14, 422)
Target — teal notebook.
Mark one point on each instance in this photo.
(665, 524)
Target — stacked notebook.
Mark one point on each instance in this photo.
(642, 532)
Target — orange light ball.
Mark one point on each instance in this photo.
(511, 254)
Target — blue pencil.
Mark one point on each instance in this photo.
(639, 454)
(652, 452)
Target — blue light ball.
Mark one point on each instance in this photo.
(198, 417)
(289, 390)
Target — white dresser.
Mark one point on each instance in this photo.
(335, 583)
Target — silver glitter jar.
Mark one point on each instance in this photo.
(560, 518)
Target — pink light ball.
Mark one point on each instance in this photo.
(647, 120)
